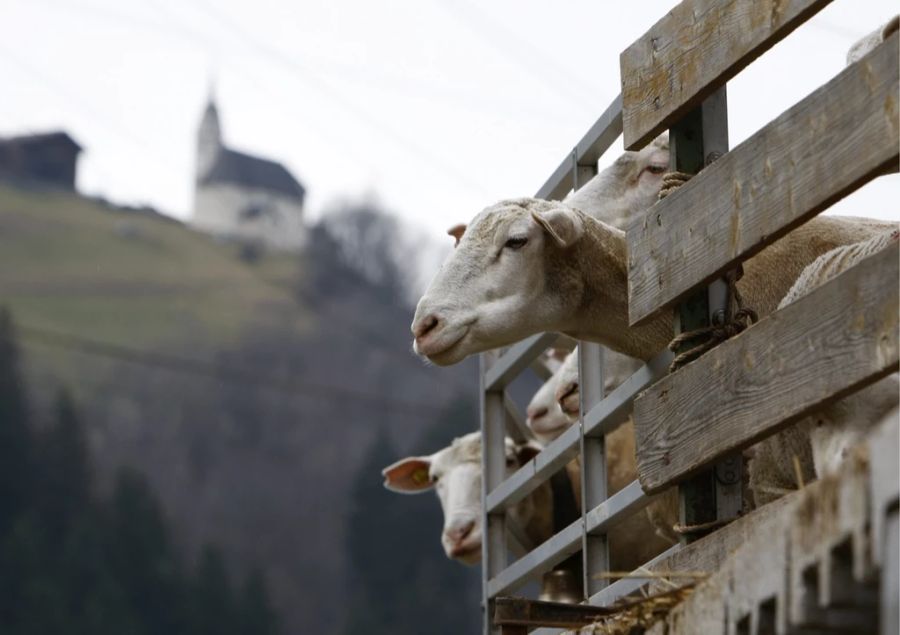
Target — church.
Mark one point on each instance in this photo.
(245, 198)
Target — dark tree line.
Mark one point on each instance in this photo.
(71, 562)
(400, 581)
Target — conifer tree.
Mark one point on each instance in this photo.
(16, 443)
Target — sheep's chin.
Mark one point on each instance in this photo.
(450, 354)
(549, 429)
(470, 557)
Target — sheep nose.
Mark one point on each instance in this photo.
(535, 413)
(458, 532)
(425, 326)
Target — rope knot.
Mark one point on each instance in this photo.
(671, 181)
(708, 337)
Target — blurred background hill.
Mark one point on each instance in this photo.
(215, 218)
(254, 394)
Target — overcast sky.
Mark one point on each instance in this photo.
(440, 107)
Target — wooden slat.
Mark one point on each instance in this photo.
(695, 49)
(709, 552)
(521, 611)
(839, 137)
(835, 340)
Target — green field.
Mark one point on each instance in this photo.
(76, 266)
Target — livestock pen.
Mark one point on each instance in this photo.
(824, 558)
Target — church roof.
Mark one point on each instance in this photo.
(243, 169)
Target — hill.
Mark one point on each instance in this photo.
(249, 388)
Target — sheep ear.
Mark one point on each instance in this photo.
(890, 27)
(408, 476)
(457, 232)
(562, 223)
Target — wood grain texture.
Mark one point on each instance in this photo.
(694, 49)
(521, 611)
(836, 139)
(708, 553)
(835, 340)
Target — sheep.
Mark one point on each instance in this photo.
(526, 266)
(821, 441)
(873, 39)
(556, 406)
(544, 414)
(628, 186)
(455, 472)
(547, 418)
(616, 369)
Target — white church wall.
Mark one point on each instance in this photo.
(250, 214)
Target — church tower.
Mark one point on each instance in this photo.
(243, 197)
(209, 139)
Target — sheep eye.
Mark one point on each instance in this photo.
(656, 169)
(516, 243)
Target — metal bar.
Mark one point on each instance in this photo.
(601, 419)
(890, 575)
(568, 541)
(615, 408)
(697, 494)
(516, 359)
(545, 557)
(728, 473)
(540, 368)
(516, 427)
(536, 472)
(519, 543)
(696, 141)
(598, 139)
(625, 586)
(618, 589)
(594, 548)
(493, 464)
(625, 502)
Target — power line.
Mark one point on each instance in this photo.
(558, 77)
(316, 82)
(220, 372)
(835, 29)
(101, 118)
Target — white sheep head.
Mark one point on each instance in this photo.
(627, 187)
(507, 278)
(455, 473)
(568, 393)
(545, 415)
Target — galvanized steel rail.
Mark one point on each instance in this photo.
(601, 415)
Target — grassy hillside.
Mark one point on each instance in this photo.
(136, 278)
(303, 365)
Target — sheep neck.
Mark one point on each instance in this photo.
(601, 314)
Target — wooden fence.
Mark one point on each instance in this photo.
(692, 424)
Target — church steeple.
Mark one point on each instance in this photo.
(209, 138)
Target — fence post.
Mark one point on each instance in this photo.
(697, 140)
(493, 463)
(594, 547)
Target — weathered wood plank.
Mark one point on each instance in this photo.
(839, 338)
(692, 51)
(709, 552)
(839, 137)
(521, 611)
